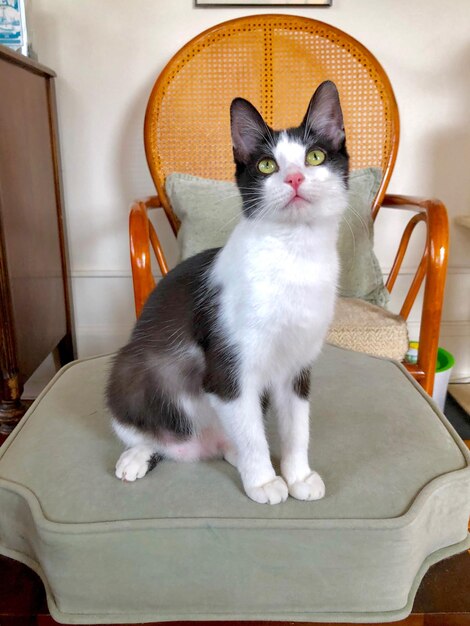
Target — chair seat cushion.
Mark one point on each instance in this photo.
(185, 543)
(365, 327)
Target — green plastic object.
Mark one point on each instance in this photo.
(445, 360)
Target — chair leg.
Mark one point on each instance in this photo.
(12, 408)
(64, 352)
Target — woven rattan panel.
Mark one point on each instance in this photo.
(276, 62)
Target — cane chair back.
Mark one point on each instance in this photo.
(275, 62)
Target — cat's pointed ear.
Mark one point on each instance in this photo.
(248, 127)
(324, 115)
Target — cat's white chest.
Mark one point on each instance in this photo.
(278, 290)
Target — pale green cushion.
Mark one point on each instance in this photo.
(210, 209)
(185, 542)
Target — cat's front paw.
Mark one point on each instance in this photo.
(273, 492)
(133, 463)
(310, 488)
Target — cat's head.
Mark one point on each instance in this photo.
(296, 175)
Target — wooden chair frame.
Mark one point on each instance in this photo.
(433, 264)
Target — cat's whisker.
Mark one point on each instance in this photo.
(360, 218)
(261, 214)
(232, 219)
(346, 221)
(242, 188)
(231, 194)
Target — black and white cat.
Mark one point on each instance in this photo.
(232, 328)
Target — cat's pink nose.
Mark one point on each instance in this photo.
(294, 179)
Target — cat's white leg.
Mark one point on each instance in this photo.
(230, 455)
(243, 422)
(135, 462)
(140, 455)
(292, 408)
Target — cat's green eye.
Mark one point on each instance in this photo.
(315, 157)
(267, 166)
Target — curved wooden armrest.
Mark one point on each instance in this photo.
(433, 265)
(141, 235)
(413, 203)
(151, 202)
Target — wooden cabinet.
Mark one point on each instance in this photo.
(35, 309)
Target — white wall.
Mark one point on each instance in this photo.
(107, 54)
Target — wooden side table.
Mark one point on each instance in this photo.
(35, 309)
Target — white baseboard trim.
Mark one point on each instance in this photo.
(448, 329)
(126, 273)
(100, 339)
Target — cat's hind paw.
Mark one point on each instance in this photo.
(310, 488)
(273, 492)
(134, 463)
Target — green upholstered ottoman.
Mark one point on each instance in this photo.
(185, 543)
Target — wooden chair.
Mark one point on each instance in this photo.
(276, 61)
